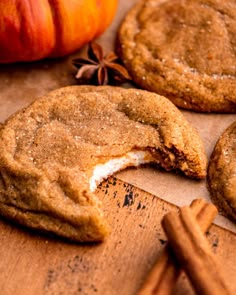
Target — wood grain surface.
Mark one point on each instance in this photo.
(33, 263)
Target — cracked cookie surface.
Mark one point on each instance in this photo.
(184, 50)
(221, 174)
(54, 153)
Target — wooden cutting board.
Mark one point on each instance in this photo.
(32, 263)
(37, 264)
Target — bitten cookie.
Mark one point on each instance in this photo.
(222, 172)
(184, 50)
(55, 152)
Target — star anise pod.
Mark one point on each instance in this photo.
(100, 69)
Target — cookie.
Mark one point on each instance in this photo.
(184, 50)
(55, 152)
(221, 174)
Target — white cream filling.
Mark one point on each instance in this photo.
(102, 171)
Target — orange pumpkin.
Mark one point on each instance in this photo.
(35, 29)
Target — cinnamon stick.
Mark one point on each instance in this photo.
(165, 273)
(193, 253)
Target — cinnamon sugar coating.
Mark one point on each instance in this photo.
(184, 50)
(48, 152)
(222, 172)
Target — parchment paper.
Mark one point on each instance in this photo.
(20, 84)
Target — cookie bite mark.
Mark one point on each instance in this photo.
(131, 159)
(54, 153)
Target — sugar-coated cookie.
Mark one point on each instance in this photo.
(221, 174)
(184, 50)
(55, 152)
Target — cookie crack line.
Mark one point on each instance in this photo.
(151, 61)
(220, 11)
(60, 182)
(24, 210)
(37, 220)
